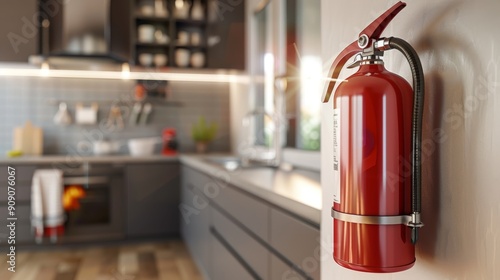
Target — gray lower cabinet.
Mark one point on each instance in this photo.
(24, 174)
(227, 265)
(252, 213)
(297, 241)
(195, 221)
(250, 251)
(235, 235)
(152, 207)
(282, 271)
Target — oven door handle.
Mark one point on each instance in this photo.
(93, 180)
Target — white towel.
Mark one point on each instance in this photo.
(46, 199)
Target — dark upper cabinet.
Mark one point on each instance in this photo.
(18, 30)
(226, 34)
(84, 28)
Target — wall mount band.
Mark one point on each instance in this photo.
(372, 220)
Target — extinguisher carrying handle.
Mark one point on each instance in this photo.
(372, 32)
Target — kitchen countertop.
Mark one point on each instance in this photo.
(297, 191)
(72, 159)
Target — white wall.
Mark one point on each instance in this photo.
(459, 45)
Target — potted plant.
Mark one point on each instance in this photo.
(203, 133)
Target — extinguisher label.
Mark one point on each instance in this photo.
(336, 155)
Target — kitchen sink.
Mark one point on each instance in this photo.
(228, 163)
(234, 163)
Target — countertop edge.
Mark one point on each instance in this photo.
(304, 211)
(72, 159)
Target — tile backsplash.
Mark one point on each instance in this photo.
(23, 99)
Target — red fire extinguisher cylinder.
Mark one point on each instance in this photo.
(377, 137)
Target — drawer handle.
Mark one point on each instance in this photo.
(235, 254)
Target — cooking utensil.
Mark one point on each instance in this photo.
(136, 111)
(143, 146)
(115, 119)
(86, 115)
(62, 116)
(146, 111)
(28, 139)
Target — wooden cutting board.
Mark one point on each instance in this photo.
(28, 139)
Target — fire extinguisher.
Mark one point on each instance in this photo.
(377, 123)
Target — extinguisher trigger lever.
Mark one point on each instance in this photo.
(356, 62)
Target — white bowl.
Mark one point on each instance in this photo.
(146, 33)
(182, 57)
(198, 59)
(143, 146)
(146, 59)
(160, 59)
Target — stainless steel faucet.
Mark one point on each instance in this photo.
(271, 156)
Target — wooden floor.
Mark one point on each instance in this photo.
(146, 261)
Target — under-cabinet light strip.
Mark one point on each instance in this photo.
(123, 75)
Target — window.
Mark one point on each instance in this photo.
(302, 69)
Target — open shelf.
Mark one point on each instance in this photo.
(156, 45)
(140, 17)
(171, 26)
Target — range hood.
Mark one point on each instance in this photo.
(97, 30)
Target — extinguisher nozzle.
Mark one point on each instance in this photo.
(414, 235)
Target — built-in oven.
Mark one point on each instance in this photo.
(93, 201)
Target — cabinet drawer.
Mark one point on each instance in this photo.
(195, 228)
(279, 270)
(252, 252)
(226, 266)
(249, 211)
(297, 241)
(23, 192)
(23, 173)
(23, 214)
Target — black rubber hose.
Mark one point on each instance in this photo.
(418, 110)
